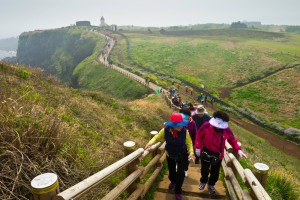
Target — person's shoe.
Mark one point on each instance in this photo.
(171, 186)
(201, 186)
(211, 189)
(178, 196)
(186, 173)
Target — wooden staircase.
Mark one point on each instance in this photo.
(189, 187)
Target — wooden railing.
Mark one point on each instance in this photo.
(230, 164)
(134, 174)
(233, 169)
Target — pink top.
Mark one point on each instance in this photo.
(206, 136)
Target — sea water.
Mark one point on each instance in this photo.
(4, 54)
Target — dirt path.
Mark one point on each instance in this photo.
(284, 145)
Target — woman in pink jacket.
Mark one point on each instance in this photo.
(210, 140)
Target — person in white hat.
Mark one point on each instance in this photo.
(200, 116)
(210, 144)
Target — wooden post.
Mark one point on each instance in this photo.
(45, 186)
(129, 147)
(261, 173)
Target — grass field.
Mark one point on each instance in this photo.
(226, 58)
(284, 175)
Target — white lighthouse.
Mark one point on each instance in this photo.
(102, 22)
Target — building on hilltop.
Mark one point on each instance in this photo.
(105, 26)
(83, 23)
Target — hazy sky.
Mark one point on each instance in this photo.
(17, 16)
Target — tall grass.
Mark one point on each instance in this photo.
(45, 127)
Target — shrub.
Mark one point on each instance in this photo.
(279, 187)
(23, 73)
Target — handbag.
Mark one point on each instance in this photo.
(209, 156)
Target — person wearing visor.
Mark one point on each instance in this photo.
(179, 148)
(210, 144)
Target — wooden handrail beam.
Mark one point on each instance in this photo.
(115, 193)
(151, 164)
(255, 185)
(152, 148)
(237, 166)
(90, 182)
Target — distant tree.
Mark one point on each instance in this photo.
(295, 29)
(238, 25)
(149, 30)
(162, 31)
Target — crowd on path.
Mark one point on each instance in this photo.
(193, 135)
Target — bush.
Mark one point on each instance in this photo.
(279, 187)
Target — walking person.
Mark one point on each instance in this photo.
(200, 117)
(209, 145)
(178, 146)
(192, 128)
(191, 90)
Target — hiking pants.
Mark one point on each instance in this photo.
(176, 177)
(213, 170)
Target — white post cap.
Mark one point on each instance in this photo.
(44, 180)
(261, 167)
(129, 144)
(153, 132)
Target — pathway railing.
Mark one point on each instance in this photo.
(233, 169)
(131, 183)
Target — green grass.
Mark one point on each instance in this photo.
(284, 174)
(279, 105)
(48, 127)
(225, 58)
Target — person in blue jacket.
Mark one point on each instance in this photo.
(179, 148)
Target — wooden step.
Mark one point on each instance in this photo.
(168, 196)
(190, 186)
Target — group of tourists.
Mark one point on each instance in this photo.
(193, 135)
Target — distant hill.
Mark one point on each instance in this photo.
(9, 44)
(71, 55)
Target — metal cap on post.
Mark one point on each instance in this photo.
(45, 186)
(261, 173)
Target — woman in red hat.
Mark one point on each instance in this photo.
(178, 146)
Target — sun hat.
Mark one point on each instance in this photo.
(176, 119)
(219, 123)
(200, 110)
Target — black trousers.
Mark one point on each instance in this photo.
(176, 176)
(213, 170)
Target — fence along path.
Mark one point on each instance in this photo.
(231, 166)
(134, 173)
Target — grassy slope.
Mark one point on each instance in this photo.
(46, 127)
(284, 174)
(275, 98)
(93, 75)
(223, 60)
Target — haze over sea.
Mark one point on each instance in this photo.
(4, 54)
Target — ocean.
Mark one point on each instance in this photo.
(4, 54)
